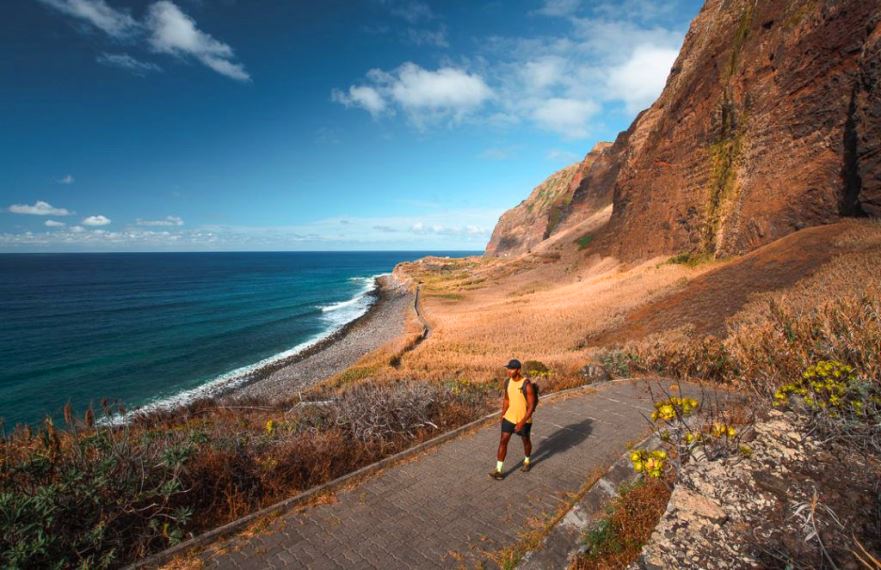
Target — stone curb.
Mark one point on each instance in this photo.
(289, 503)
(561, 545)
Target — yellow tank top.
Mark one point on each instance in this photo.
(516, 402)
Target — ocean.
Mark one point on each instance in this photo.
(148, 328)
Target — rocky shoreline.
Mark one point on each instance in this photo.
(383, 321)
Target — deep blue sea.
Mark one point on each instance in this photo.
(143, 328)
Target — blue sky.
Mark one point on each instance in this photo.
(265, 125)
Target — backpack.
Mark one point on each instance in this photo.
(523, 389)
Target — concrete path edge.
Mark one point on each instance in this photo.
(562, 544)
(304, 497)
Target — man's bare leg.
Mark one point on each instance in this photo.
(503, 446)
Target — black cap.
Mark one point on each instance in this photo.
(514, 364)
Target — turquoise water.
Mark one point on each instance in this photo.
(142, 328)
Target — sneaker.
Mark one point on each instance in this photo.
(497, 475)
(526, 467)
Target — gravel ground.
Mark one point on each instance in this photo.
(381, 324)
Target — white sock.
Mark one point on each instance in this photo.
(499, 466)
(526, 460)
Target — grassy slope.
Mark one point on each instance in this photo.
(561, 303)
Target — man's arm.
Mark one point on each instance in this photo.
(505, 403)
(530, 400)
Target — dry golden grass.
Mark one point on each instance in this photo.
(540, 313)
(834, 314)
(548, 305)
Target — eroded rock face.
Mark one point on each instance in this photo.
(770, 122)
(569, 194)
(766, 125)
(741, 511)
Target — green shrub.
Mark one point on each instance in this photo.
(584, 241)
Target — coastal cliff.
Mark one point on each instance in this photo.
(770, 122)
(564, 198)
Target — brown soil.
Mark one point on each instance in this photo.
(708, 300)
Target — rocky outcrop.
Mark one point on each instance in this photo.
(770, 122)
(566, 197)
(749, 510)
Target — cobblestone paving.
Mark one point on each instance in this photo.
(442, 510)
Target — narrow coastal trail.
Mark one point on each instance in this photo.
(441, 509)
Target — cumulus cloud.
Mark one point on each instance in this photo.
(54, 224)
(445, 88)
(128, 63)
(561, 83)
(640, 79)
(362, 96)
(173, 32)
(40, 208)
(544, 72)
(97, 220)
(113, 22)
(166, 221)
(66, 180)
(424, 95)
(166, 29)
(567, 117)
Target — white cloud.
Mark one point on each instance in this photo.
(40, 208)
(54, 224)
(446, 88)
(611, 41)
(559, 7)
(440, 228)
(544, 72)
(640, 80)
(173, 32)
(567, 117)
(426, 96)
(166, 28)
(167, 221)
(362, 96)
(128, 63)
(66, 180)
(113, 22)
(561, 84)
(98, 220)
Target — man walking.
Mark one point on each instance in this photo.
(517, 407)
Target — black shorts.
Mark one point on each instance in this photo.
(508, 427)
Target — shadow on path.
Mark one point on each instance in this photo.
(564, 438)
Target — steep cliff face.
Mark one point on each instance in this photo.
(770, 122)
(569, 194)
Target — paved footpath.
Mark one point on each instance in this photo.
(442, 510)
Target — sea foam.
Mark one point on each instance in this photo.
(337, 315)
